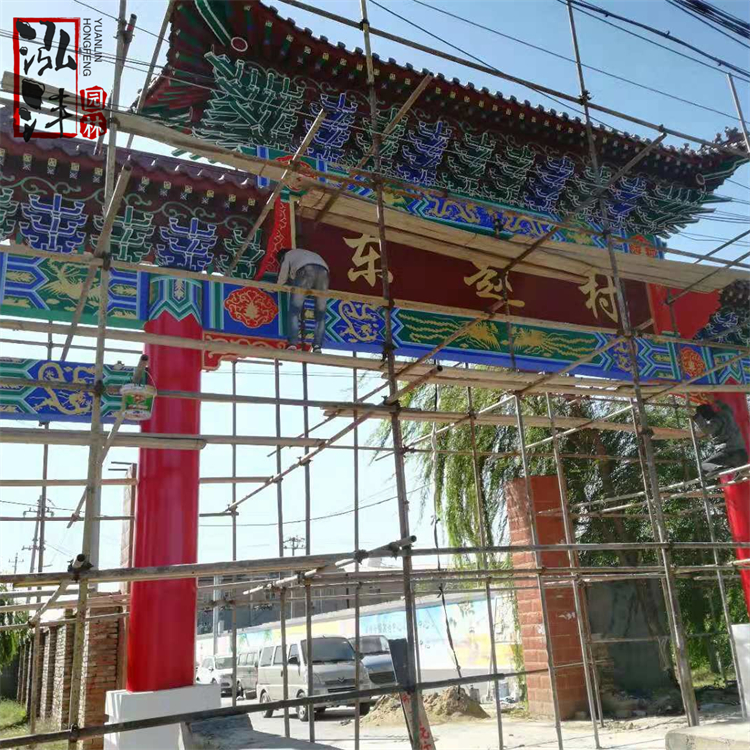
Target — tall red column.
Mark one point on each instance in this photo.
(691, 313)
(161, 638)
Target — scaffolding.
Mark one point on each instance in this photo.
(251, 578)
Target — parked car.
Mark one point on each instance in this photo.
(376, 657)
(218, 670)
(333, 667)
(247, 674)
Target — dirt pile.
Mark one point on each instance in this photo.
(448, 705)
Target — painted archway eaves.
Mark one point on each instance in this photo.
(280, 41)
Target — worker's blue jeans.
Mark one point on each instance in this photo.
(308, 277)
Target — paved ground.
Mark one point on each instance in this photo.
(336, 729)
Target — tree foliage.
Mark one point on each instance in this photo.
(598, 464)
(10, 640)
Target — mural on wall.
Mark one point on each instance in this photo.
(468, 622)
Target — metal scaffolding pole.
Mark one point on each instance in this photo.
(234, 529)
(641, 419)
(482, 562)
(357, 598)
(90, 542)
(584, 635)
(529, 491)
(284, 656)
(309, 659)
(279, 491)
(388, 354)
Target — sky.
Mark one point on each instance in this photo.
(543, 23)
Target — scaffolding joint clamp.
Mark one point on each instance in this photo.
(75, 732)
(106, 262)
(99, 389)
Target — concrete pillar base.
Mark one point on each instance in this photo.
(124, 706)
(741, 635)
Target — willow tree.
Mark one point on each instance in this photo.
(598, 464)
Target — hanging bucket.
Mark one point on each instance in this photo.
(137, 401)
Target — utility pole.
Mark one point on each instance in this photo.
(294, 543)
(15, 564)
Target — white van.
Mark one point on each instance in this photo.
(333, 661)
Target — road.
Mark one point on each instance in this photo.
(336, 729)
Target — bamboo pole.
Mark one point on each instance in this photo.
(482, 560)
(388, 354)
(152, 64)
(499, 74)
(641, 421)
(280, 185)
(402, 112)
(584, 634)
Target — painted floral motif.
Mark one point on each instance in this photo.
(252, 307)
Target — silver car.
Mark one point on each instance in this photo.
(376, 657)
(333, 667)
(217, 670)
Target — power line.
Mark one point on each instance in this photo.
(581, 4)
(316, 518)
(681, 6)
(571, 60)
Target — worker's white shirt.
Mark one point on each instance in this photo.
(296, 259)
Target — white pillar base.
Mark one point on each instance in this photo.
(124, 706)
(741, 635)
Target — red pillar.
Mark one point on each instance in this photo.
(161, 637)
(563, 626)
(691, 313)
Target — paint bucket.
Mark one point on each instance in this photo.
(137, 401)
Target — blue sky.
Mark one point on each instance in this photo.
(540, 22)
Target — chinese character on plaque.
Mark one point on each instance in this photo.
(366, 259)
(488, 283)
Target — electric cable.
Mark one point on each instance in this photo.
(571, 60)
(582, 4)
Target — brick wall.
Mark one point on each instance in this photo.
(566, 648)
(99, 673)
(63, 665)
(48, 673)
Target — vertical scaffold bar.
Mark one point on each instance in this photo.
(398, 454)
(529, 491)
(482, 560)
(308, 658)
(284, 652)
(90, 535)
(279, 492)
(42, 513)
(643, 434)
(355, 459)
(234, 529)
(738, 107)
(719, 577)
(576, 584)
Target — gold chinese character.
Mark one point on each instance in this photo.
(489, 283)
(365, 258)
(601, 297)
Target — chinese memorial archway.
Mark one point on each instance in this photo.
(473, 176)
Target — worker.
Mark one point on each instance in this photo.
(717, 420)
(306, 270)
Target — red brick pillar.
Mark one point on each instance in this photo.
(566, 646)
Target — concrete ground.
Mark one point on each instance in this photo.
(336, 729)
